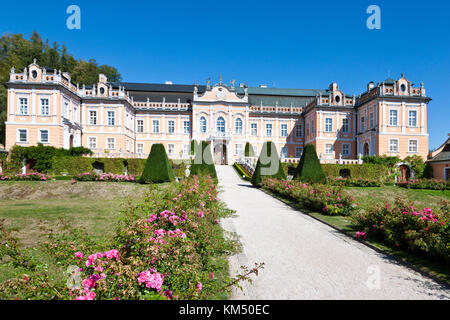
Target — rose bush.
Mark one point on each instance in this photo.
(424, 230)
(107, 177)
(352, 182)
(35, 176)
(433, 184)
(322, 198)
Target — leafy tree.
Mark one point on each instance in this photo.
(158, 168)
(309, 168)
(389, 161)
(268, 165)
(417, 165)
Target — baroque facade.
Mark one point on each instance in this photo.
(125, 119)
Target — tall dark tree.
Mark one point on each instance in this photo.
(268, 165)
(309, 168)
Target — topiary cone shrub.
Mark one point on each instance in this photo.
(158, 168)
(249, 151)
(203, 163)
(309, 168)
(193, 147)
(268, 165)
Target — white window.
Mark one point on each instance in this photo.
(171, 148)
(298, 130)
(328, 148)
(203, 125)
(298, 152)
(66, 109)
(371, 121)
(111, 143)
(345, 149)
(187, 127)
(238, 150)
(155, 126)
(284, 130)
(363, 123)
(23, 106)
(412, 146)
(43, 135)
(140, 148)
(284, 152)
(412, 118)
(171, 126)
(140, 126)
(312, 128)
(93, 118)
(186, 149)
(393, 117)
(328, 124)
(345, 126)
(238, 126)
(75, 113)
(22, 135)
(220, 124)
(393, 145)
(254, 129)
(268, 129)
(92, 143)
(307, 129)
(45, 110)
(111, 118)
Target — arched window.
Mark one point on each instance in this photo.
(203, 125)
(238, 126)
(220, 124)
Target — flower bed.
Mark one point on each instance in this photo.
(325, 199)
(350, 182)
(25, 177)
(423, 230)
(432, 184)
(169, 246)
(107, 177)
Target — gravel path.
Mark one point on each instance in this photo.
(306, 259)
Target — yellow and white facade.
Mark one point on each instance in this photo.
(125, 119)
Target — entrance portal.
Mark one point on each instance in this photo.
(405, 173)
(220, 154)
(366, 149)
(71, 141)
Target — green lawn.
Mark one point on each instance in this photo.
(94, 206)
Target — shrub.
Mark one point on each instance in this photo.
(268, 165)
(351, 182)
(424, 231)
(432, 184)
(321, 198)
(383, 160)
(417, 165)
(249, 151)
(157, 168)
(105, 177)
(203, 162)
(428, 171)
(309, 168)
(369, 171)
(35, 176)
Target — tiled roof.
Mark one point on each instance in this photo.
(444, 155)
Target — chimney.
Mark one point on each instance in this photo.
(370, 86)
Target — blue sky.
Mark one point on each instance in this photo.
(291, 44)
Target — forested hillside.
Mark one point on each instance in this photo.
(18, 52)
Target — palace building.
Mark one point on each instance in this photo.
(125, 119)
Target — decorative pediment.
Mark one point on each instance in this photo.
(220, 92)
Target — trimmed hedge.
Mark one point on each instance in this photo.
(369, 171)
(203, 162)
(158, 168)
(268, 152)
(249, 151)
(309, 168)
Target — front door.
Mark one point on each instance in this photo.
(220, 154)
(71, 141)
(405, 173)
